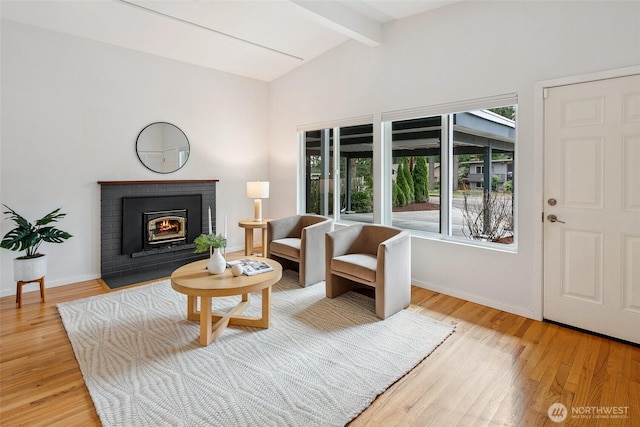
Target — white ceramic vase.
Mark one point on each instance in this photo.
(216, 264)
(28, 269)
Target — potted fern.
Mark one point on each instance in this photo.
(28, 237)
(217, 263)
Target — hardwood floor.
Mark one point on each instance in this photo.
(496, 369)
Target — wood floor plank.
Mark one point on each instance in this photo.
(496, 369)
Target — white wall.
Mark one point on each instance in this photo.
(71, 112)
(464, 51)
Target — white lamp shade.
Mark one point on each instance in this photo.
(258, 189)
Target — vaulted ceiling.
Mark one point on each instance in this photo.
(260, 39)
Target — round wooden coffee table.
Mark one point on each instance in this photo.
(195, 281)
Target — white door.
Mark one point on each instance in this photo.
(592, 206)
(171, 159)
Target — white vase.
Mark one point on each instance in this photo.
(216, 264)
(28, 269)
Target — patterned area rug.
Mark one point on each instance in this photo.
(321, 362)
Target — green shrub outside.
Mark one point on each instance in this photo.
(403, 186)
(421, 180)
(409, 190)
(362, 202)
(508, 186)
(398, 195)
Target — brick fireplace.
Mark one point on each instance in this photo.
(147, 227)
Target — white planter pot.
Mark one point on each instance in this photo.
(216, 264)
(25, 270)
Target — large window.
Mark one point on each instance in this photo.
(446, 170)
(354, 192)
(476, 200)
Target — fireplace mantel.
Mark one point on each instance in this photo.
(164, 181)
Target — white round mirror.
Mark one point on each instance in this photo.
(162, 147)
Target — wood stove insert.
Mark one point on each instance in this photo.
(143, 219)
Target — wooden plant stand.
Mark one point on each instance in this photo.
(22, 283)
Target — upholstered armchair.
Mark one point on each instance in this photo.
(298, 241)
(375, 256)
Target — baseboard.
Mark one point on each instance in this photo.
(51, 283)
(475, 299)
(74, 279)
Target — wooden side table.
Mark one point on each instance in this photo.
(249, 225)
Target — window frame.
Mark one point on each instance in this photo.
(447, 111)
(334, 126)
(383, 158)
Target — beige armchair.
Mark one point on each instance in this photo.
(298, 242)
(372, 255)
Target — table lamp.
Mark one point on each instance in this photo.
(257, 190)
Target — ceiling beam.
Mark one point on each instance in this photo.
(344, 20)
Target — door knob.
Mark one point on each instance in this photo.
(552, 202)
(553, 218)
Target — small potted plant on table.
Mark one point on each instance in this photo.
(217, 263)
(28, 237)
